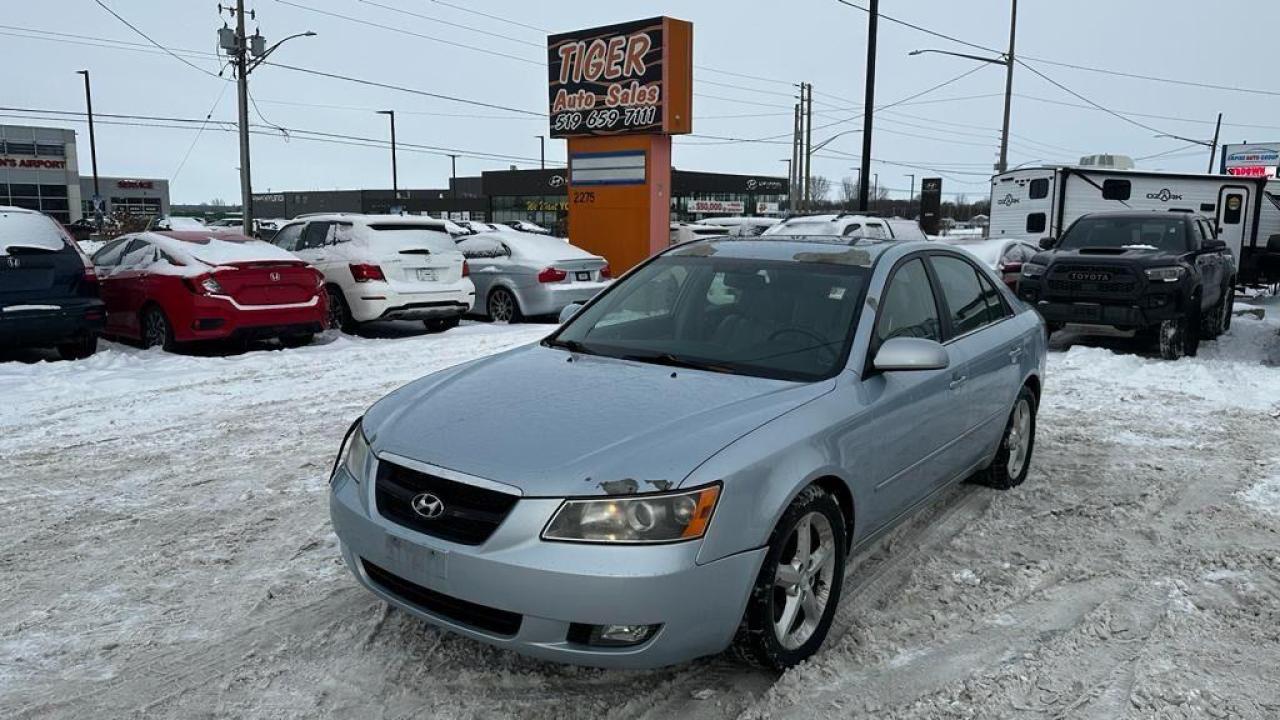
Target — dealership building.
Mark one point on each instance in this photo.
(539, 196)
(39, 170)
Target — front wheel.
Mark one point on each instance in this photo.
(1180, 336)
(798, 589)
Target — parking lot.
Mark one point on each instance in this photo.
(167, 551)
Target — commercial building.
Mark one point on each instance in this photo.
(39, 170)
(539, 196)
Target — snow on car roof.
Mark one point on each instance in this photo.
(27, 228)
(215, 249)
(526, 246)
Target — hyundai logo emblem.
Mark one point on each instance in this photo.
(275, 277)
(428, 506)
(556, 181)
(13, 262)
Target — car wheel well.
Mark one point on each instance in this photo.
(1033, 382)
(837, 488)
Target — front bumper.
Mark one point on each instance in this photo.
(39, 325)
(1122, 315)
(550, 585)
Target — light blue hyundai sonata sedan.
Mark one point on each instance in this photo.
(685, 464)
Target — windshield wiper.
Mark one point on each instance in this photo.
(674, 361)
(571, 346)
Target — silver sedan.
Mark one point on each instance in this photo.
(519, 274)
(687, 462)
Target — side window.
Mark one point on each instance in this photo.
(652, 299)
(1233, 209)
(1038, 189)
(1207, 229)
(852, 229)
(1036, 222)
(288, 237)
(966, 302)
(341, 233)
(908, 308)
(109, 254)
(138, 253)
(876, 231)
(996, 308)
(1116, 189)
(315, 235)
(1197, 234)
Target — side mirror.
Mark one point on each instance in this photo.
(1048, 243)
(1213, 244)
(905, 353)
(569, 311)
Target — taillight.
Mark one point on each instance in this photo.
(366, 273)
(606, 273)
(551, 275)
(466, 269)
(203, 285)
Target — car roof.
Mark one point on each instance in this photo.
(800, 248)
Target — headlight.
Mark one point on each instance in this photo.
(666, 517)
(1173, 273)
(1033, 270)
(211, 286)
(354, 454)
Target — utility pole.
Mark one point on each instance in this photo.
(453, 176)
(1008, 88)
(911, 197)
(1213, 149)
(542, 147)
(93, 152)
(236, 44)
(794, 166)
(808, 144)
(395, 180)
(873, 19)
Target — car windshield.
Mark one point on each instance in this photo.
(778, 319)
(1168, 234)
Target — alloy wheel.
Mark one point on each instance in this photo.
(803, 581)
(502, 306)
(156, 331)
(1018, 439)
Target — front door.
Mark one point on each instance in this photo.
(1235, 216)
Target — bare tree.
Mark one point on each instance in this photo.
(819, 188)
(848, 192)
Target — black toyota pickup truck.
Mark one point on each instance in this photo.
(48, 288)
(1165, 275)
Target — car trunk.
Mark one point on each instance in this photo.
(268, 283)
(579, 270)
(414, 258)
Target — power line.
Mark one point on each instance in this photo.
(1153, 78)
(1078, 96)
(453, 24)
(208, 116)
(925, 30)
(147, 37)
(491, 17)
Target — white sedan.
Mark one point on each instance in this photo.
(1004, 255)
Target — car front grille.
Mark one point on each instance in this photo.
(1084, 280)
(465, 612)
(469, 514)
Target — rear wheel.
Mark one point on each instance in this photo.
(798, 588)
(339, 313)
(1013, 459)
(503, 306)
(156, 330)
(80, 348)
(436, 325)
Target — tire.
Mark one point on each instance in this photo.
(503, 307)
(1213, 323)
(339, 312)
(297, 341)
(157, 331)
(1013, 458)
(1180, 336)
(438, 325)
(1231, 305)
(80, 348)
(816, 587)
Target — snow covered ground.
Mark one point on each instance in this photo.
(166, 551)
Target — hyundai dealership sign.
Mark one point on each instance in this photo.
(1251, 160)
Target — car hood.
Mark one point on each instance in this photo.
(533, 419)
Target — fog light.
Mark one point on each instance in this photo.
(610, 635)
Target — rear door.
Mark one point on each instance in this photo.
(128, 286)
(1235, 216)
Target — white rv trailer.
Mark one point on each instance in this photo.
(1043, 202)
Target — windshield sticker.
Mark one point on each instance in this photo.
(836, 293)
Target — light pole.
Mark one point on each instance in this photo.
(240, 47)
(395, 181)
(790, 185)
(1007, 60)
(542, 147)
(911, 196)
(869, 101)
(93, 152)
(453, 176)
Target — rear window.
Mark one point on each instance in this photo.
(428, 236)
(28, 230)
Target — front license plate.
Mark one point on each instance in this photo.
(426, 275)
(583, 276)
(417, 559)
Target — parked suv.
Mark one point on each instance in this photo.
(384, 267)
(871, 227)
(48, 288)
(1163, 275)
(688, 461)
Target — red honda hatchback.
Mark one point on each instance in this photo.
(165, 288)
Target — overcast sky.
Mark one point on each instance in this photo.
(820, 41)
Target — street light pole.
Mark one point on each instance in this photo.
(395, 180)
(911, 197)
(93, 151)
(873, 19)
(453, 176)
(542, 150)
(1008, 89)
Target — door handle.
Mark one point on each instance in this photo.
(957, 381)
(1015, 355)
